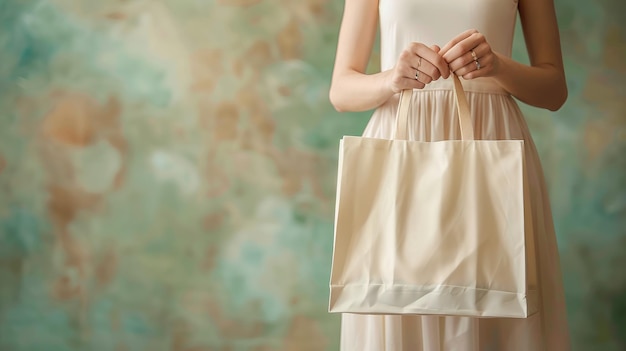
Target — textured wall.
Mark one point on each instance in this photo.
(167, 173)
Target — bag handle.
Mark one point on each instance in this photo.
(465, 122)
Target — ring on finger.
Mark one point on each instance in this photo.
(417, 71)
(474, 55)
(477, 64)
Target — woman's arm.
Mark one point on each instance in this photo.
(353, 90)
(542, 84)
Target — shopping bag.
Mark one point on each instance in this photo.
(433, 228)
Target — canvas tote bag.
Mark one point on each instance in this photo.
(437, 228)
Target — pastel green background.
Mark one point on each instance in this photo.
(167, 173)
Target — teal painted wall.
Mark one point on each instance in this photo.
(167, 173)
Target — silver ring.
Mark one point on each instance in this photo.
(477, 64)
(417, 75)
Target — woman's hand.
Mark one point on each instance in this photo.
(417, 66)
(470, 56)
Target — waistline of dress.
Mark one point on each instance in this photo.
(478, 85)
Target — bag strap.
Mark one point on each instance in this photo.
(465, 122)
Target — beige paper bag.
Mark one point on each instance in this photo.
(438, 228)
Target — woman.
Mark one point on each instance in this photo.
(423, 42)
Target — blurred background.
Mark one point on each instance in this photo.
(167, 173)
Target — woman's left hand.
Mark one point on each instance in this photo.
(469, 55)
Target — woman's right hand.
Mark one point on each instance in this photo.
(417, 66)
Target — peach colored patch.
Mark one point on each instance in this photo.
(284, 91)
(207, 67)
(63, 206)
(600, 89)
(304, 335)
(317, 7)
(204, 83)
(72, 121)
(226, 121)
(65, 203)
(117, 16)
(106, 267)
(238, 2)
(110, 127)
(262, 122)
(56, 162)
(3, 163)
(181, 339)
(119, 142)
(217, 180)
(258, 56)
(296, 166)
(77, 121)
(597, 137)
(210, 258)
(108, 116)
(264, 125)
(603, 90)
(237, 67)
(180, 335)
(290, 41)
(213, 221)
(230, 328)
(615, 49)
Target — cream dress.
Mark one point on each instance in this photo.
(496, 116)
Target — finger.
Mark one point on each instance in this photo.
(410, 64)
(433, 58)
(486, 66)
(465, 70)
(412, 57)
(463, 47)
(472, 70)
(402, 83)
(481, 50)
(435, 48)
(457, 40)
(424, 77)
(471, 67)
(476, 73)
(428, 72)
(408, 83)
(461, 62)
(412, 73)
